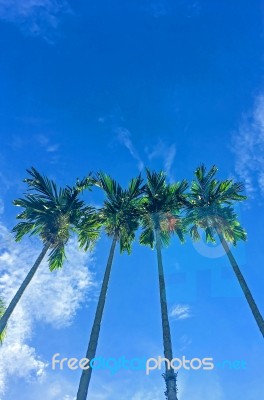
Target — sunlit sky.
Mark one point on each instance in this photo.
(119, 86)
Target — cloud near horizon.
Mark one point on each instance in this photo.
(52, 298)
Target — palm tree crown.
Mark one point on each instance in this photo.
(53, 214)
(160, 208)
(121, 210)
(211, 207)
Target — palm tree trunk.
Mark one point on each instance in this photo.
(19, 293)
(91, 351)
(169, 376)
(251, 302)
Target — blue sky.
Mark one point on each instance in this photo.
(117, 86)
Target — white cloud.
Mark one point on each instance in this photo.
(35, 17)
(248, 146)
(180, 311)
(166, 152)
(124, 137)
(51, 297)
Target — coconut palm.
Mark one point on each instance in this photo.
(120, 217)
(211, 208)
(52, 214)
(2, 310)
(160, 219)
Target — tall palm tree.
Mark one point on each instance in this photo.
(2, 310)
(211, 208)
(160, 208)
(120, 217)
(52, 214)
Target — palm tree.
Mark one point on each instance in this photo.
(2, 310)
(211, 209)
(52, 214)
(160, 207)
(120, 217)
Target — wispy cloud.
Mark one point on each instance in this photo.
(165, 152)
(169, 159)
(180, 311)
(45, 142)
(124, 136)
(34, 17)
(248, 146)
(52, 298)
(19, 142)
(52, 148)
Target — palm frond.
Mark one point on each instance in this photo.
(25, 228)
(165, 238)
(147, 237)
(126, 240)
(56, 257)
(45, 187)
(195, 233)
(204, 178)
(88, 228)
(84, 184)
